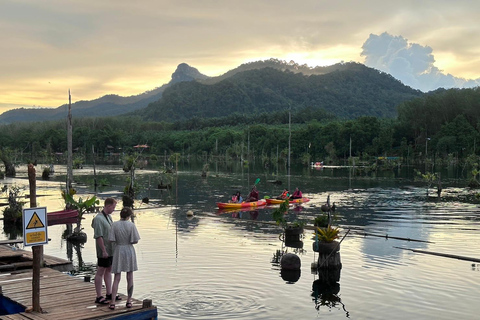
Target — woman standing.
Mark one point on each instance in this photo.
(124, 233)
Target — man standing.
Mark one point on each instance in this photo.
(101, 224)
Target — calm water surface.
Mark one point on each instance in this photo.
(220, 265)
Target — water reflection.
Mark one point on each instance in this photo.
(13, 230)
(290, 276)
(183, 221)
(325, 290)
(227, 265)
(81, 268)
(288, 262)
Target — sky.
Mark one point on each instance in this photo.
(94, 48)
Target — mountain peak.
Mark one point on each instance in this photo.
(186, 73)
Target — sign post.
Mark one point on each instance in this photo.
(35, 234)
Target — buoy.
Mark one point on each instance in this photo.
(189, 213)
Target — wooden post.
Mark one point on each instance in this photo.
(69, 145)
(147, 303)
(33, 187)
(329, 255)
(94, 171)
(37, 250)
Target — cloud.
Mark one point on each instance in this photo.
(411, 63)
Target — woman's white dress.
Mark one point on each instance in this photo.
(124, 233)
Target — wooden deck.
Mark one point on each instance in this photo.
(17, 259)
(66, 297)
(61, 296)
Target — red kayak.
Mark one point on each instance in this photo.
(233, 205)
(62, 217)
(278, 201)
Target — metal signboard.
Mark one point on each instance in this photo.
(35, 226)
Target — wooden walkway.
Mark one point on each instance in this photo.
(17, 259)
(66, 297)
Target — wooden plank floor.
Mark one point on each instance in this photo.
(8, 253)
(65, 297)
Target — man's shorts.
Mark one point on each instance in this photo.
(105, 262)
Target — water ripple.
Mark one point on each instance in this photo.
(187, 303)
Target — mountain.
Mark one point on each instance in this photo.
(279, 65)
(108, 105)
(347, 90)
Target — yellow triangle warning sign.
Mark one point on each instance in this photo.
(35, 222)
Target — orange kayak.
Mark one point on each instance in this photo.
(233, 205)
(278, 201)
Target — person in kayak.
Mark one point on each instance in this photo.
(284, 195)
(253, 195)
(297, 194)
(236, 198)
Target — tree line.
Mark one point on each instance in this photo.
(444, 124)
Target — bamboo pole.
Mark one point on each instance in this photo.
(390, 237)
(446, 255)
(359, 231)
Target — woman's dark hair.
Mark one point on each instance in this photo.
(125, 213)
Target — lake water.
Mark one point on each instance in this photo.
(219, 265)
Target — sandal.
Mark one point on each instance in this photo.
(129, 305)
(101, 300)
(111, 306)
(109, 297)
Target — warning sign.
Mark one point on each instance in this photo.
(35, 226)
(35, 237)
(35, 222)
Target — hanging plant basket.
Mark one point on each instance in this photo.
(293, 234)
(294, 243)
(293, 230)
(77, 237)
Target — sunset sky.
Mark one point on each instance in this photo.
(124, 47)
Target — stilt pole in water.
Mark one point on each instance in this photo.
(69, 144)
(94, 171)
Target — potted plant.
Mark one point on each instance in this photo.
(325, 240)
(321, 221)
(292, 230)
(12, 214)
(82, 206)
(279, 214)
(46, 173)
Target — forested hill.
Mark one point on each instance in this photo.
(352, 90)
(108, 105)
(279, 65)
